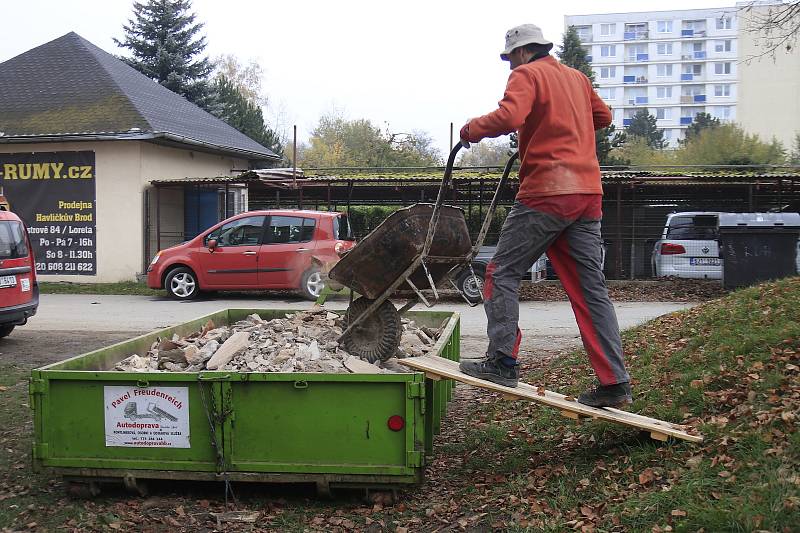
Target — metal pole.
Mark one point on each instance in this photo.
(158, 217)
(618, 245)
(294, 157)
(226, 201)
(451, 136)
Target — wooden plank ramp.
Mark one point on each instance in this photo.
(437, 368)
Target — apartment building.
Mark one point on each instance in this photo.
(674, 63)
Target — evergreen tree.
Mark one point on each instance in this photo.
(163, 38)
(572, 54)
(643, 125)
(243, 114)
(701, 121)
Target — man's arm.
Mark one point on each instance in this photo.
(515, 106)
(601, 114)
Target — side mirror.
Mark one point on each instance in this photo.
(212, 245)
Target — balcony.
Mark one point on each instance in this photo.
(642, 57)
(635, 35)
(686, 121)
(589, 59)
(699, 55)
(699, 98)
(687, 76)
(628, 79)
(627, 121)
(687, 99)
(687, 33)
(641, 100)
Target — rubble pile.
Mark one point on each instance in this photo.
(305, 341)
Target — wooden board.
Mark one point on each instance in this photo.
(441, 368)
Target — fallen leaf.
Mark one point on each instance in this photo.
(678, 512)
(646, 476)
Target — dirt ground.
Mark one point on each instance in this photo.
(37, 348)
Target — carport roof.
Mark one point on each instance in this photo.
(69, 89)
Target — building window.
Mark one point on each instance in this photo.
(664, 26)
(722, 46)
(663, 71)
(664, 49)
(608, 29)
(723, 112)
(722, 68)
(724, 23)
(722, 90)
(663, 92)
(663, 113)
(608, 50)
(584, 33)
(607, 93)
(608, 72)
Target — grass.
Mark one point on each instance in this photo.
(121, 287)
(729, 368)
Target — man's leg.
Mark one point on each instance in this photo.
(576, 258)
(525, 236)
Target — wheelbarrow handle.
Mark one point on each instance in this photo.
(437, 208)
(490, 213)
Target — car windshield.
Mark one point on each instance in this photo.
(341, 228)
(698, 227)
(12, 240)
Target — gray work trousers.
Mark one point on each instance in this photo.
(574, 249)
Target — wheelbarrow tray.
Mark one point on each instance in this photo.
(383, 256)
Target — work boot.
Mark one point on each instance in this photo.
(491, 369)
(607, 395)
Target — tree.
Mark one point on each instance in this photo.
(244, 115)
(774, 26)
(700, 122)
(164, 40)
(573, 54)
(643, 125)
(488, 153)
(247, 78)
(337, 142)
(729, 144)
(794, 159)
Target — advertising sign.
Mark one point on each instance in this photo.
(147, 417)
(54, 194)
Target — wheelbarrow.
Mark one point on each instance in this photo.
(415, 249)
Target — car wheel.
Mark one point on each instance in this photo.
(6, 329)
(471, 286)
(181, 284)
(312, 283)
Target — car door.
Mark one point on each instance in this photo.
(234, 261)
(287, 251)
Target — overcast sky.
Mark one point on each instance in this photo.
(416, 65)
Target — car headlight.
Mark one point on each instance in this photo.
(155, 259)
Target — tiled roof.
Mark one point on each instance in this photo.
(71, 88)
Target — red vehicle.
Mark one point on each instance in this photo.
(19, 292)
(274, 249)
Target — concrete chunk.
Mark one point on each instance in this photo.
(235, 344)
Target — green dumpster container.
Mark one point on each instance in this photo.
(92, 423)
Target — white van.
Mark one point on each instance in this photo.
(689, 246)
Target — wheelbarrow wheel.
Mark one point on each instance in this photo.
(377, 337)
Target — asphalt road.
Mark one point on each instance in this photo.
(67, 324)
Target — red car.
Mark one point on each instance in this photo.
(274, 249)
(19, 292)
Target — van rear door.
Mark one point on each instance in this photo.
(17, 274)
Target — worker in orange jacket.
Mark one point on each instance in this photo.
(557, 210)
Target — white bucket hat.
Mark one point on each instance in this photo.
(522, 35)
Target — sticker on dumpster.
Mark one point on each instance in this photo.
(149, 417)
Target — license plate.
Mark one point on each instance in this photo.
(704, 261)
(8, 281)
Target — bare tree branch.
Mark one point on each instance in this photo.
(775, 26)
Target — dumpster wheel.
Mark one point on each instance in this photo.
(377, 337)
